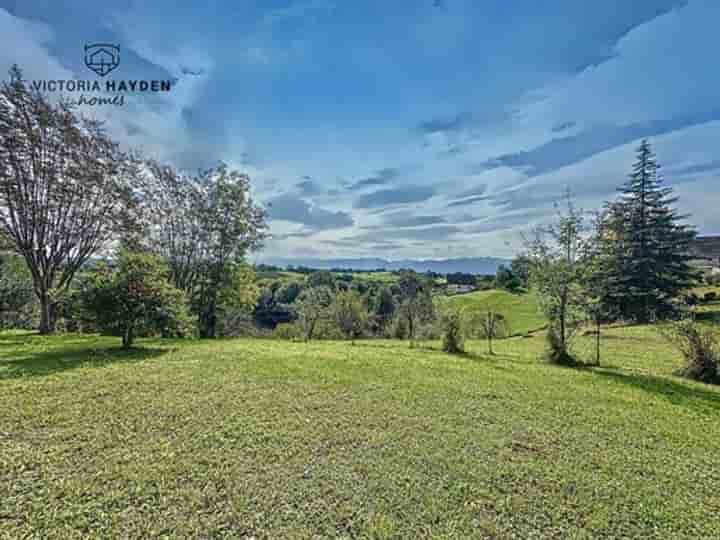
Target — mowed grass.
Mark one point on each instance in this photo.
(272, 439)
(520, 309)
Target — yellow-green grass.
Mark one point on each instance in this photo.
(272, 439)
(520, 309)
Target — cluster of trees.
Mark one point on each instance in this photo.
(326, 305)
(69, 196)
(630, 262)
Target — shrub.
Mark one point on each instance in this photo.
(710, 296)
(452, 334)
(287, 331)
(699, 346)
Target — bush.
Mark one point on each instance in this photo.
(452, 334)
(287, 331)
(710, 296)
(699, 346)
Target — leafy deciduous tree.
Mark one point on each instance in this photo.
(136, 295)
(312, 306)
(349, 314)
(65, 189)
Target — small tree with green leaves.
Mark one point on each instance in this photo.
(134, 296)
(312, 307)
(490, 325)
(453, 341)
(416, 305)
(556, 252)
(349, 314)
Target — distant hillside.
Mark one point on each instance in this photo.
(472, 265)
(520, 309)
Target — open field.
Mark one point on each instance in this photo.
(520, 309)
(271, 439)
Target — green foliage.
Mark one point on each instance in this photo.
(203, 226)
(520, 268)
(488, 325)
(18, 308)
(134, 297)
(313, 306)
(506, 279)
(416, 305)
(557, 275)
(321, 278)
(699, 345)
(453, 341)
(383, 309)
(645, 255)
(349, 314)
(288, 331)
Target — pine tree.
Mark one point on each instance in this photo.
(646, 245)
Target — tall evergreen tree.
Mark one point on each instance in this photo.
(646, 245)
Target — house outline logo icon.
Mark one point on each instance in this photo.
(102, 58)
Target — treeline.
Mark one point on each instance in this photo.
(110, 240)
(325, 305)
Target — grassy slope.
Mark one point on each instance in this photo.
(281, 440)
(521, 310)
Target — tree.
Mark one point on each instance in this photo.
(646, 245)
(312, 306)
(505, 279)
(321, 278)
(556, 273)
(492, 325)
(597, 280)
(452, 333)
(203, 226)
(349, 314)
(383, 308)
(135, 296)
(65, 189)
(520, 268)
(416, 305)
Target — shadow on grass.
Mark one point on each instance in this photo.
(47, 362)
(687, 395)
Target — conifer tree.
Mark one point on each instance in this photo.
(645, 245)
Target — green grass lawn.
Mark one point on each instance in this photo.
(272, 439)
(520, 309)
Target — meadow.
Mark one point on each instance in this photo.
(519, 308)
(254, 438)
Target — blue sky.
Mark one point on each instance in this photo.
(426, 128)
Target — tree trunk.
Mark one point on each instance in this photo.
(127, 339)
(597, 344)
(47, 314)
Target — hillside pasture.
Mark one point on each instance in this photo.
(270, 439)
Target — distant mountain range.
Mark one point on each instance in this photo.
(470, 265)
